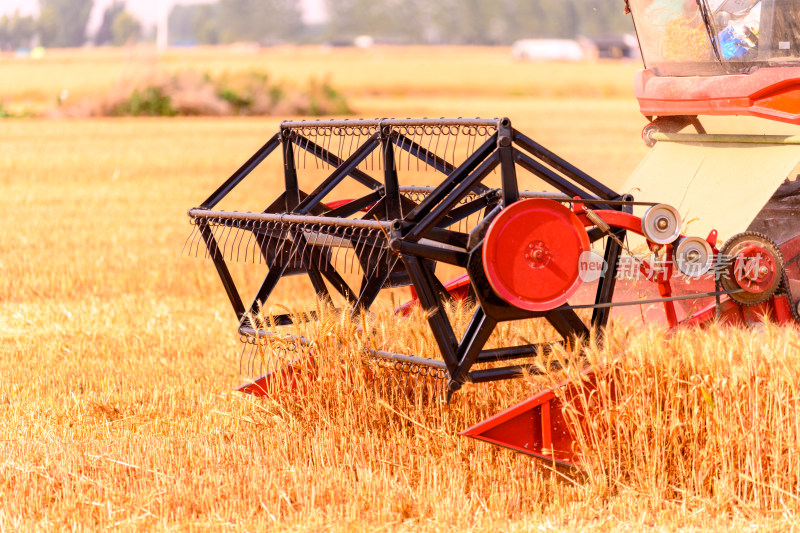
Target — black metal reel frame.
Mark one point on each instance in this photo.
(420, 235)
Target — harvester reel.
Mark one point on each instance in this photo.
(754, 268)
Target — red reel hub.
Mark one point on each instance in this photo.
(532, 254)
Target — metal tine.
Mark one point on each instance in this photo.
(421, 142)
(282, 260)
(330, 244)
(201, 241)
(359, 234)
(231, 229)
(195, 243)
(358, 143)
(277, 228)
(198, 240)
(235, 232)
(326, 145)
(294, 229)
(246, 231)
(242, 358)
(318, 251)
(468, 134)
(366, 237)
(348, 234)
(399, 155)
(438, 140)
(350, 146)
(193, 239)
(315, 141)
(256, 245)
(455, 143)
(319, 140)
(411, 134)
(217, 233)
(214, 228)
(252, 371)
(408, 134)
(190, 237)
(447, 136)
(348, 254)
(307, 234)
(366, 265)
(237, 239)
(335, 261)
(262, 244)
(354, 256)
(416, 137)
(429, 154)
(247, 253)
(340, 145)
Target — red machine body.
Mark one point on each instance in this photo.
(772, 93)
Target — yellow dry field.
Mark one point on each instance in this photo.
(119, 355)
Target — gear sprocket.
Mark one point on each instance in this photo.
(752, 268)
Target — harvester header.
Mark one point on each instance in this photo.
(532, 236)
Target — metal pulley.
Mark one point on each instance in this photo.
(661, 224)
(532, 254)
(693, 256)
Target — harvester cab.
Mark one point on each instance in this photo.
(523, 225)
(718, 57)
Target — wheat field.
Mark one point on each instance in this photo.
(120, 355)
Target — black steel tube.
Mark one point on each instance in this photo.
(444, 255)
(222, 270)
(409, 359)
(290, 219)
(263, 334)
(461, 173)
(462, 188)
(548, 175)
(563, 166)
(500, 374)
(515, 352)
(393, 122)
(356, 205)
(242, 172)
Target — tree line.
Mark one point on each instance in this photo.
(63, 23)
(479, 22)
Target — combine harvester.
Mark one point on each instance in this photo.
(349, 223)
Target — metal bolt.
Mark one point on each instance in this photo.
(662, 223)
(693, 256)
(763, 270)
